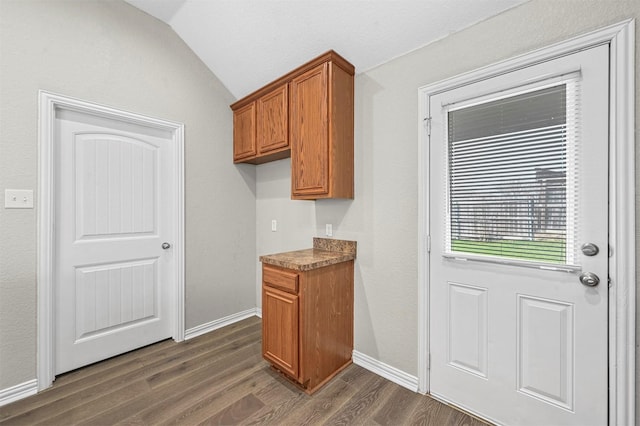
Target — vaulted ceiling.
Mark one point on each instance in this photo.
(248, 43)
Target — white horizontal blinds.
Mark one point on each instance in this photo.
(511, 176)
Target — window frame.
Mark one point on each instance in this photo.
(571, 79)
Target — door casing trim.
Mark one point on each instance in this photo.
(48, 104)
(622, 267)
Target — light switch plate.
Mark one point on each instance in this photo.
(274, 225)
(18, 199)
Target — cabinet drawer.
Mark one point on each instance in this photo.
(284, 280)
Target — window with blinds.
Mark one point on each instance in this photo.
(511, 176)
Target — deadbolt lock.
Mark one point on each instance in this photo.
(589, 249)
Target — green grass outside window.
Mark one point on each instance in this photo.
(552, 251)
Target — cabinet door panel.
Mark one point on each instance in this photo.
(280, 329)
(273, 120)
(310, 132)
(244, 132)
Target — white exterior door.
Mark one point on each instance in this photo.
(514, 335)
(113, 212)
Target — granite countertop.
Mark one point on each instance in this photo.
(325, 252)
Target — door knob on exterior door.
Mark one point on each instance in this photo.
(589, 279)
(166, 245)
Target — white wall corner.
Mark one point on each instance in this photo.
(14, 393)
(259, 312)
(385, 370)
(219, 323)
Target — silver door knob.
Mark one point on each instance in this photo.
(589, 279)
(166, 245)
(589, 249)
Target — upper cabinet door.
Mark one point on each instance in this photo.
(310, 133)
(273, 120)
(244, 133)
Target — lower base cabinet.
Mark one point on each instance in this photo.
(307, 322)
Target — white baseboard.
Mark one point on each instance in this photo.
(17, 392)
(219, 323)
(385, 370)
(259, 312)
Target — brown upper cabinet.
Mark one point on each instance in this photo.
(322, 133)
(244, 132)
(261, 128)
(273, 121)
(308, 115)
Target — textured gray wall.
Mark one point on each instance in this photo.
(112, 53)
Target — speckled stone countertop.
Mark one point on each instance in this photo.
(325, 252)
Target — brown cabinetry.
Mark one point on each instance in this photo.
(244, 133)
(280, 332)
(261, 128)
(308, 115)
(273, 121)
(307, 321)
(322, 128)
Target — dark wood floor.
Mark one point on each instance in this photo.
(220, 378)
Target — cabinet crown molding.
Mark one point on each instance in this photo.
(330, 56)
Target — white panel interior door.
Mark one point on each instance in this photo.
(113, 213)
(522, 341)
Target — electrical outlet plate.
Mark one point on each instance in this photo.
(18, 199)
(274, 225)
(328, 230)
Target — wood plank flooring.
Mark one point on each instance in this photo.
(220, 379)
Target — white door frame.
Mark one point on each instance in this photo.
(48, 104)
(622, 266)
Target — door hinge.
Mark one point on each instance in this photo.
(429, 361)
(428, 243)
(427, 125)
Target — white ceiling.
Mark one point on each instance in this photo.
(248, 43)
